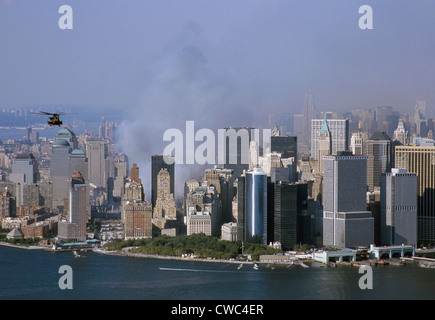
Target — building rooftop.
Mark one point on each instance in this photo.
(65, 131)
(325, 128)
(380, 136)
(77, 152)
(61, 143)
(24, 156)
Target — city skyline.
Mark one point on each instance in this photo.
(165, 62)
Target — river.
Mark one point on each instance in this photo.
(34, 275)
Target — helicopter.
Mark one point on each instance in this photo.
(54, 120)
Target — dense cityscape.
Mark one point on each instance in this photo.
(325, 182)
(217, 150)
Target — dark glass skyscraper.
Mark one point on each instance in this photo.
(289, 205)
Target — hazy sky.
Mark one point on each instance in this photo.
(218, 62)
(262, 54)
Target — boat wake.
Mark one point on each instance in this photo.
(193, 270)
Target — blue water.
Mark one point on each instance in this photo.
(33, 274)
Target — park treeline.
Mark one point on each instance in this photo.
(200, 245)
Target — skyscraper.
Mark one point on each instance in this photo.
(74, 227)
(290, 200)
(421, 160)
(135, 173)
(121, 173)
(309, 110)
(339, 135)
(401, 134)
(398, 207)
(60, 171)
(356, 143)
(78, 204)
(325, 144)
(346, 223)
(158, 163)
(379, 149)
(136, 211)
(165, 202)
(96, 151)
(288, 147)
(25, 169)
(256, 205)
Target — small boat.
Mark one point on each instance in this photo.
(255, 267)
(76, 255)
(240, 266)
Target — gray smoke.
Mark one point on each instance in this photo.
(185, 82)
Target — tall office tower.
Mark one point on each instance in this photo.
(135, 173)
(346, 223)
(5, 204)
(78, 204)
(256, 205)
(158, 163)
(401, 134)
(325, 144)
(236, 145)
(419, 116)
(121, 173)
(339, 133)
(222, 180)
(79, 162)
(34, 137)
(309, 110)
(239, 203)
(356, 143)
(398, 208)
(25, 169)
(298, 124)
(165, 202)
(59, 172)
(290, 202)
(96, 151)
(133, 194)
(288, 147)
(28, 132)
(421, 160)
(379, 151)
(74, 228)
(253, 154)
